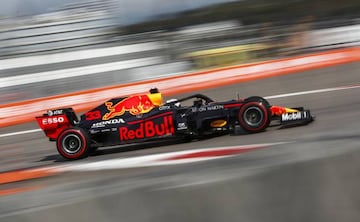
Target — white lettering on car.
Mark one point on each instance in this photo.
(291, 116)
(52, 120)
(108, 122)
(55, 112)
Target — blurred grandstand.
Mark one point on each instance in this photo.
(88, 33)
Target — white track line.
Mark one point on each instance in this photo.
(20, 133)
(313, 91)
(267, 97)
(156, 159)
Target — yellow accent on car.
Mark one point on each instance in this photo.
(156, 99)
(288, 110)
(218, 123)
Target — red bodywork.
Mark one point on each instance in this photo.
(279, 110)
(53, 125)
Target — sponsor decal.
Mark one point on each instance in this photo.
(216, 107)
(94, 131)
(107, 122)
(164, 107)
(52, 120)
(291, 116)
(55, 112)
(105, 130)
(148, 129)
(279, 110)
(207, 108)
(135, 105)
(182, 126)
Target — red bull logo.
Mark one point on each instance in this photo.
(135, 105)
(148, 129)
(279, 110)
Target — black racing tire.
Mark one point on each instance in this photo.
(73, 144)
(254, 117)
(258, 99)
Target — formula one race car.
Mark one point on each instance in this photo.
(145, 117)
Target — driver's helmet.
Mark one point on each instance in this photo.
(154, 90)
(155, 96)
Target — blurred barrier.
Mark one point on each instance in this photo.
(281, 40)
(47, 75)
(334, 37)
(78, 71)
(78, 55)
(21, 112)
(74, 25)
(53, 36)
(227, 55)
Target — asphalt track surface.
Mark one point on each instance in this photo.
(313, 175)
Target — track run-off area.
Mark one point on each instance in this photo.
(307, 173)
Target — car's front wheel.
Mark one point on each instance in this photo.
(254, 117)
(73, 144)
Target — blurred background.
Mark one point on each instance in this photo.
(52, 47)
(59, 46)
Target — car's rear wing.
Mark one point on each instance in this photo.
(55, 121)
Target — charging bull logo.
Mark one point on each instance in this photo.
(134, 105)
(278, 110)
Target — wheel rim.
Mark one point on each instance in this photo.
(71, 143)
(253, 116)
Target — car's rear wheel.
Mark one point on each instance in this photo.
(254, 117)
(73, 144)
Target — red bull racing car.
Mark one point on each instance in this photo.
(145, 117)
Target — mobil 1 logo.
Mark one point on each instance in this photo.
(295, 116)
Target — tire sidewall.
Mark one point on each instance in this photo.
(83, 151)
(246, 126)
(258, 99)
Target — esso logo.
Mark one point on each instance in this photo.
(52, 120)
